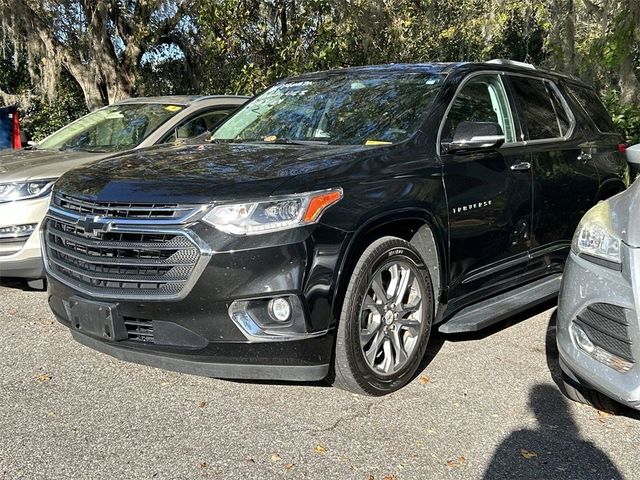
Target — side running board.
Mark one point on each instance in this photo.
(486, 313)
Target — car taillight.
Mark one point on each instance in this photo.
(622, 147)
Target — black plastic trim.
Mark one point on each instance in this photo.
(294, 373)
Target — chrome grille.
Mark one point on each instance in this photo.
(123, 210)
(121, 260)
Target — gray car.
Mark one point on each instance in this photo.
(598, 326)
(27, 175)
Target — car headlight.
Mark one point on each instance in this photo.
(10, 192)
(273, 214)
(595, 239)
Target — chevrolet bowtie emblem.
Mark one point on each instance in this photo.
(92, 225)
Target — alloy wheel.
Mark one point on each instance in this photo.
(391, 317)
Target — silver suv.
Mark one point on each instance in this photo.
(598, 329)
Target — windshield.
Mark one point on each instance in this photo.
(111, 129)
(336, 110)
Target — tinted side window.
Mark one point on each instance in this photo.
(482, 99)
(538, 109)
(197, 126)
(589, 101)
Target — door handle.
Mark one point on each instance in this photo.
(584, 157)
(519, 167)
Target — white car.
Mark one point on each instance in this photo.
(27, 175)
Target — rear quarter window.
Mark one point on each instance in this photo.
(592, 105)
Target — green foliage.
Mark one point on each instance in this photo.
(43, 117)
(626, 117)
(241, 46)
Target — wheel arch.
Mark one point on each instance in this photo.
(417, 226)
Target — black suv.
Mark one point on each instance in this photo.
(333, 222)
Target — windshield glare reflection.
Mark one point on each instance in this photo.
(337, 110)
(111, 129)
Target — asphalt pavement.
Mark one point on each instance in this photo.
(485, 406)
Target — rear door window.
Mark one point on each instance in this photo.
(591, 104)
(542, 109)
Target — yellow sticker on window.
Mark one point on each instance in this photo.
(377, 142)
(173, 108)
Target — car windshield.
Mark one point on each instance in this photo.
(111, 129)
(336, 110)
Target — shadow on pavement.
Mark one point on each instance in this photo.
(23, 284)
(552, 449)
(437, 340)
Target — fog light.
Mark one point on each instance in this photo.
(280, 309)
(598, 353)
(17, 231)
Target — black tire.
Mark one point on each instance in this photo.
(350, 370)
(582, 394)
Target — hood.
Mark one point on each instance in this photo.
(201, 173)
(624, 215)
(31, 164)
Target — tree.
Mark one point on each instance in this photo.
(101, 44)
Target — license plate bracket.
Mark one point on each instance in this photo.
(96, 319)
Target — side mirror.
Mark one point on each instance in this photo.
(633, 155)
(469, 136)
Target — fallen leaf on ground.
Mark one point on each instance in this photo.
(275, 457)
(202, 465)
(289, 466)
(389, 477)
(457, 463)
(202, 404)
(528, 454)
(320, 449)
(371, 477)
(602, 415)
(249, 460)
(423, 380)
(43, 377)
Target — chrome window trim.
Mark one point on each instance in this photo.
(519, 143)
(205, 256)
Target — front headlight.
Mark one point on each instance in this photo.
(273, 214)
(10, 192)
(595, 237)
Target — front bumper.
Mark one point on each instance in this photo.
(22, 258)
(196, 332)
(586, 284)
